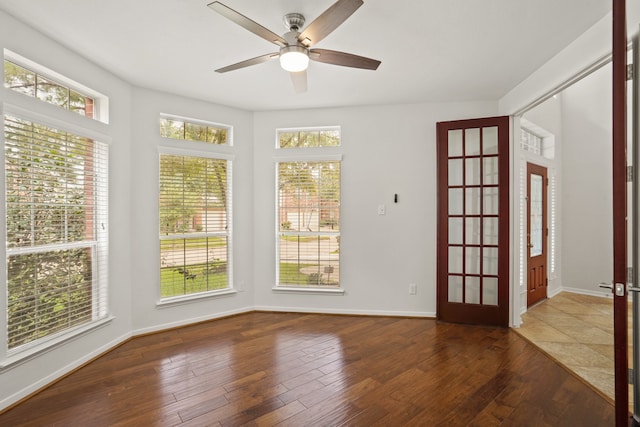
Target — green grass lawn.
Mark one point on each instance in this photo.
(173, 283)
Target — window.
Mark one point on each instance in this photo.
(194, 130)
(304, 138)
(31, 83)
(308, 229)
(195, 225)
(530, 142)
(56, 231)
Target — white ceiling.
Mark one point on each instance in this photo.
(431, 50)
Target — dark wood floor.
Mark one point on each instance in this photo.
(303, 369)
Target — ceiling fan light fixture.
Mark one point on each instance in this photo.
(294, 58)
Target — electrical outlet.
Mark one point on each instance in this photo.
(413, 289)
(381, 209)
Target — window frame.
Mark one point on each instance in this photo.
(230, 289)
(303, 156)
(309, 129)
(199, 122)
(101, 101)
(11, 357)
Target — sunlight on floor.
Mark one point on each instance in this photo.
(577, 331)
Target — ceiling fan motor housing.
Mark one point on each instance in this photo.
(293, 21)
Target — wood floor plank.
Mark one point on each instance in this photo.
(291, 369)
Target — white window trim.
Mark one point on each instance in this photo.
(101, 104)
(229, 128)
(21, 355)
(307, 158)
(62, 125)
(308, 290)
(176, 151)
(306, 129)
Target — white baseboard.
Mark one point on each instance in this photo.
(426, 314)
(594, 293)
(190, 321)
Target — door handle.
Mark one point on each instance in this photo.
(617, 289)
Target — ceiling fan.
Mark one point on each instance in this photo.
(295, 46)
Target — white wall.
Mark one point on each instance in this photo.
(587, 251)
(386, 150)
(147, 106)
(20, 380)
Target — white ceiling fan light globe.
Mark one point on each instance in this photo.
(294, 58)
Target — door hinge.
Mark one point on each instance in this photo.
(629, 71)
(631, 381)
(630, 173)
(630, 275)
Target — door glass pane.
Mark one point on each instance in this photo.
(490, 231)
(490, 140)
(455, 201)
(490, 170)
(455, 231)
(535, 220)
(473, 201)
(455, 172)
(472, 142)
(472, 261)
(455, 143)
(489, 291)
(490, 201)
(490, 261)
(455, 289)
(472, 171)
(455, 259)
(472, 290)
(473, 231)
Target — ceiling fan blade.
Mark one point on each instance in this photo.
(247, 23)
(328, 21)
(341, 58)
(299, 80)
(249, 62)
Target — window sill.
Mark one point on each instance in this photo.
(20, 357)
(308, 290)
(185, 299)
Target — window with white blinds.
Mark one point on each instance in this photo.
(308, 229)
(195, 225)
(56, 231)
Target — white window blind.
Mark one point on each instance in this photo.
(56, 199)
(309, 224)
(195, 225)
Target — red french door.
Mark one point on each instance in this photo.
(619, 142)
(473, 221)
(537, 231)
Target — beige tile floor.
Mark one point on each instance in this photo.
(577, 331)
